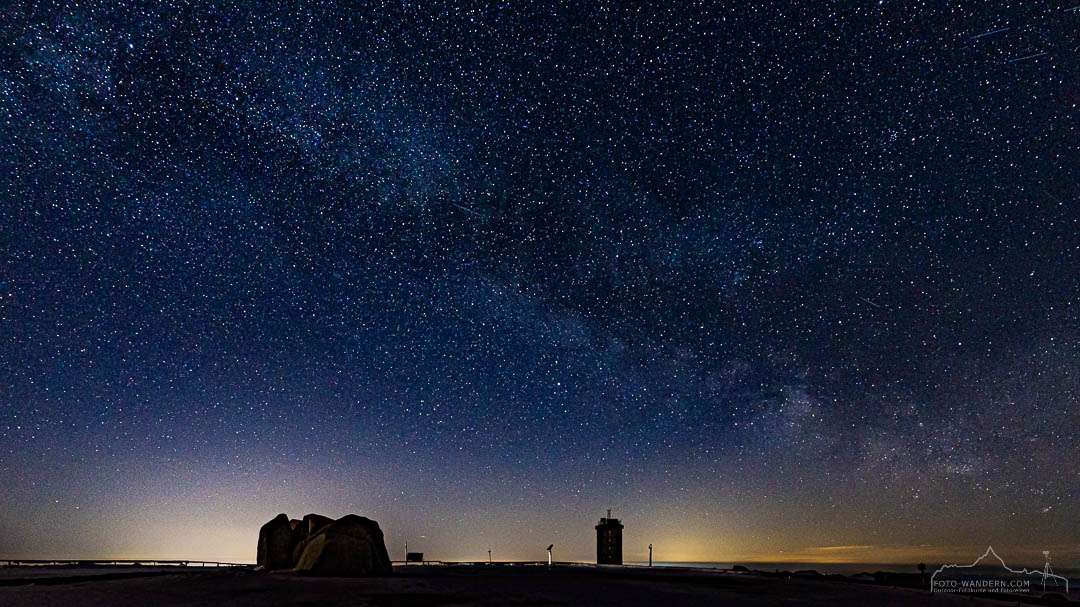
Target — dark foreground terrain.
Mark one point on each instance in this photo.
(431, 586)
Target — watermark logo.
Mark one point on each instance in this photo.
(994, 576)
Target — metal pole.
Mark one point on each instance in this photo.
(650, 555)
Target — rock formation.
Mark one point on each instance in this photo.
(306, 529)
(351, 545)
(314, 522)
(276, 543)
(318, 545)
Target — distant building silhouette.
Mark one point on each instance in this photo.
(609, 541)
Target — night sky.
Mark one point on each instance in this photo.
(797, 281)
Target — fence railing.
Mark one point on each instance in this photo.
(121, 562)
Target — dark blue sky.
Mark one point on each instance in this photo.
(768, 280)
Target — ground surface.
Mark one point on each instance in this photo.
(432, 586)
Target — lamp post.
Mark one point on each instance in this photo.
(550, 546)
(489, 556)
(650, 555)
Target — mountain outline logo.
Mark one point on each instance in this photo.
(1047, 572)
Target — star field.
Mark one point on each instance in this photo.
(764, 279)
